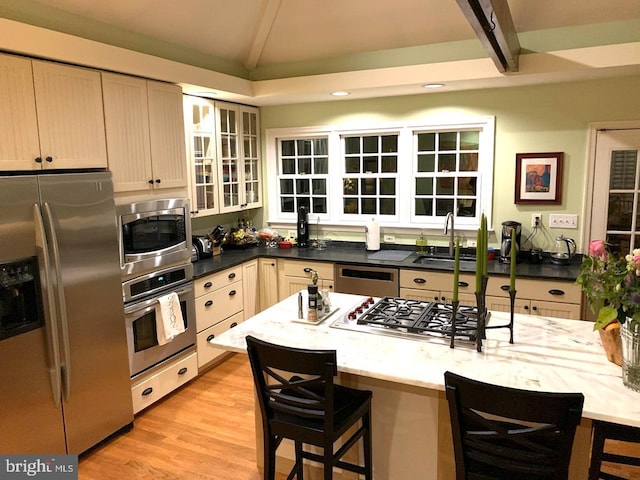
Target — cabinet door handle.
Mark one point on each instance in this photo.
(49, 159)
(419, 280)
(151, 181)
(208, 303)
(208, 285)
(158, 180)
(182, 371)
(555, 291)
(232, 293)
(232, 275)
(534, 308)
(463, 284)
(504, 287)
(436, 298)
(234, 324)
(526, 307)
(210, 337)
(38, 159)
(273, 264)
(307, 270)
(147, 391)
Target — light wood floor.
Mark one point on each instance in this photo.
(204, 431)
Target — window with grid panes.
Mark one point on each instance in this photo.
(446, 173)
(304, 174)
(369, 182)
(623, 219)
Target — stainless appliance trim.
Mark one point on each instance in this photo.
(373, 281)
(129, 297)
(135, 264)
(139, 362)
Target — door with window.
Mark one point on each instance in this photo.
(615, 213)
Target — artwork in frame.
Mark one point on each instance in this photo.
(539, 178)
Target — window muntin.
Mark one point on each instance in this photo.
(303, 174)
(623, 218)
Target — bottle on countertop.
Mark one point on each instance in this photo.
(312, 314)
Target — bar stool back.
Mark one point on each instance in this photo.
(507, 433)
(299, 401)
(603, 431)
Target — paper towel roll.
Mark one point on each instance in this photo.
(372, 235)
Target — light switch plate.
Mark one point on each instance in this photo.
(557, 220)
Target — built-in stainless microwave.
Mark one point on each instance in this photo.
(153, 234)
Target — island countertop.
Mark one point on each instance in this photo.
(548, 354)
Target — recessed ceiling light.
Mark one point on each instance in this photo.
(434, 85)
(340, 94)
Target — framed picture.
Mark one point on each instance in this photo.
(539, 178)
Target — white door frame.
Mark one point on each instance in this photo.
(589, 173)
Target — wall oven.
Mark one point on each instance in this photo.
(141, 310)
(153, 234)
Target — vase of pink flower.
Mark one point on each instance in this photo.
(611, 283)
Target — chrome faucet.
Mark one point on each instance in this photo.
(446, 230)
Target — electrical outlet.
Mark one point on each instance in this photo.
(536, 220)
(563, 221)
(390, 238)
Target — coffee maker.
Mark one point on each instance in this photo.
(303, 227)
(505, 245)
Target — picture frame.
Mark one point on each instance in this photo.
(539, 178)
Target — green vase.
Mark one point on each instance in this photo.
(630, 335)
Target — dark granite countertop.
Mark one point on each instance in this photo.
(355, 254)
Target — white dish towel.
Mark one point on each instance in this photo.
(169, 321)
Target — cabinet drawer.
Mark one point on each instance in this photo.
(217, 280)
(152, 387)
(206, 351)
(293, 268)
(218, 305)
(550, 291)
(429, 280)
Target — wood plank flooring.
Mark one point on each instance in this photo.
(205, 431)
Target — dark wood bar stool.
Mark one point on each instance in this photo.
(503, 433)
(299, 401)
(603, 431)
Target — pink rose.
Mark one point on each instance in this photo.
(597, 249)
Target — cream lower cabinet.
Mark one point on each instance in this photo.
(219, 307)
(436, 286)
(250, 287)
(549, 298)
(295, 275)
(268, 280)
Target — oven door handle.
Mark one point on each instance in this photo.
(150, 303)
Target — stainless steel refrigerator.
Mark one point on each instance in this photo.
(64, 372)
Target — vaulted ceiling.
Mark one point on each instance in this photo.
(300, 50)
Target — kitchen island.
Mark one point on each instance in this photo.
(411, 428)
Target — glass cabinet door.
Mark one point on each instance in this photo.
(200, 119)
(229, 158)
(251, 158)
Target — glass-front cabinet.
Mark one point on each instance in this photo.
(224, 149)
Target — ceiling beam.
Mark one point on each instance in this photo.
(262, 33)
(491, 20)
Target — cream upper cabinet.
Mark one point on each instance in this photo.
(238, 150)
(145, 133)
(51, 116)
(223, 145)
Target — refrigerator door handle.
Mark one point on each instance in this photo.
(64, 323)
(51, 322)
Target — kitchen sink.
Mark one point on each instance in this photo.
(441, 254)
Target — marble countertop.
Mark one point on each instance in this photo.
(355, 254)
(548, 354)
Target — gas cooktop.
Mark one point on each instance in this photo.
(408, 318)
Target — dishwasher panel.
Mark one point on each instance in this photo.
(365, 280)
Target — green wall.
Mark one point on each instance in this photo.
(545, 118)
